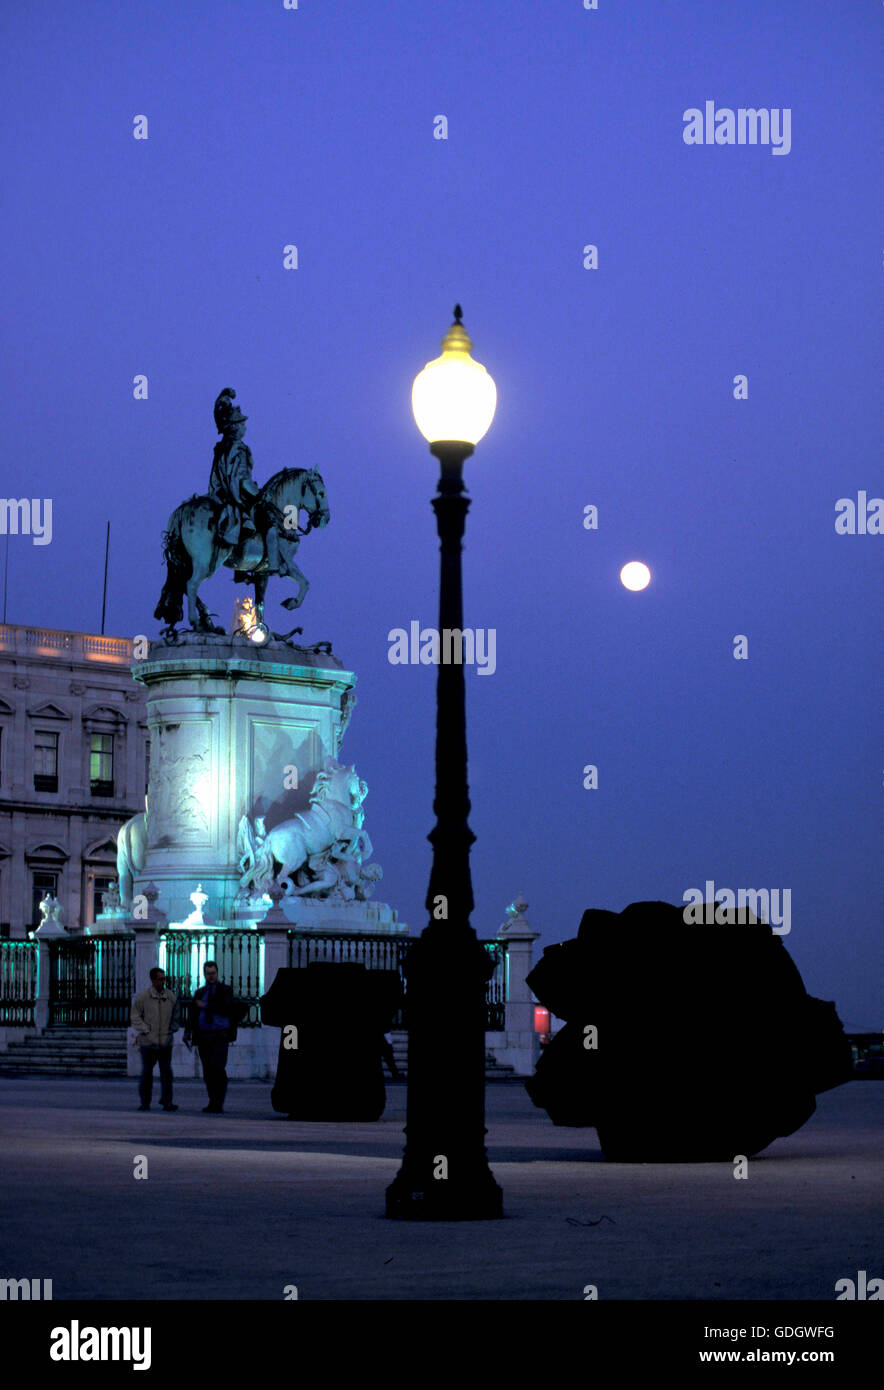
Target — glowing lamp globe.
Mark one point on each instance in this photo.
(454, 397)
(635, 576)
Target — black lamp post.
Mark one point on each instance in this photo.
(445, 1174)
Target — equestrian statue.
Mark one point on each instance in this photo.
(253, 530)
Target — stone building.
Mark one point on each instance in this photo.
(74, 754)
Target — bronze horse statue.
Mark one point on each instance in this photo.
(193, 550)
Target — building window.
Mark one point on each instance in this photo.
(44, 881)
(146, 766)
(101, 764)
(99, 886)
(45, 761)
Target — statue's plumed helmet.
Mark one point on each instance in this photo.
(226, 413)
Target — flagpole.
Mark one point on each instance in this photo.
(5, 576)
(104, 591)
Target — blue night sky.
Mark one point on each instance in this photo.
(315, 127)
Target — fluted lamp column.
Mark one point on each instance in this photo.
(445, 1174)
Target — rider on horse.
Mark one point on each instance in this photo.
(253, 531)
(232, 485)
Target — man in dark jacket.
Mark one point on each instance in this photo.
(214, 1014)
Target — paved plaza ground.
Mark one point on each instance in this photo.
(243, 1204)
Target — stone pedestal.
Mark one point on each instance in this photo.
(236, 729)
(331, 915)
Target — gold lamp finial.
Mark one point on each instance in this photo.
(457, 339)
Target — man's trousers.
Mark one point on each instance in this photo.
(213, 1055)
(150, 1055)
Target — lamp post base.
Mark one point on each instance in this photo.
(444, 1200)
(445, 1174)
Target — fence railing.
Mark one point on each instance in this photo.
(497, 988)
(91, 982)
(92, 979)
(19, 962)
(238, 954)
(868, 1054)
(391, 953)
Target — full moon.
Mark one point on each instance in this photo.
(635, 576)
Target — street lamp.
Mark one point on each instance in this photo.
(445, 1174)
(453, 398)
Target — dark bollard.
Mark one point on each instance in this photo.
(333, 1019)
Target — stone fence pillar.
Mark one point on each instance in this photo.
(48, 930)
(274, 928)
(520, 1047)
(147, 927)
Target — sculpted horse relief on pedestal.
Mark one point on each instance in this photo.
(320, 851)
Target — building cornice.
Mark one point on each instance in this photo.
(85, 650)
(240, 669)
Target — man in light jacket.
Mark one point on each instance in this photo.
(155, 1019)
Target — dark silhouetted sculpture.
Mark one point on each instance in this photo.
(682, 1043)
(333, 1019)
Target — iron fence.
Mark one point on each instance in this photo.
(497, 988)
(91, 982)
(239, 956)
(18, 981)
(391, 953)
(92, 979)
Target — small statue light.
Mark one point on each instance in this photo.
(245, 622)
(243, 619)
